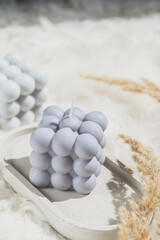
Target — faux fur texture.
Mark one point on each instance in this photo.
(124, 48)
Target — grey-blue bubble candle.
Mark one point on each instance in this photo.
(68, 149)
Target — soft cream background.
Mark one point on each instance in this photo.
(117, 47)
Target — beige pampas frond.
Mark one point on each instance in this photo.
(135, 224)
(144, 209)
(145, 87)
(125, 231)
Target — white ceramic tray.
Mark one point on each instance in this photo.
(76, 216)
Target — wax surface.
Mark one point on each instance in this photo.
(50, 122)
(97, 117)
(62, 164)
(72, 122)
(85, 168)
(40, 139)
(99, 153)
(41, 161)
(23, 87)
(77, 112)
(84, 185)
(9, 90)
(103, 141)
(92, 128)
(98, 170)
(39, 178)
(53, 111)
(73, 145)
(61, 181)
(40, 77)
(9, 110)
(27, 117)
(86, 146)
(40, 96)
(8, 124)
(26, 103)
(63, 142)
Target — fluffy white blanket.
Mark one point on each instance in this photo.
(117, 47)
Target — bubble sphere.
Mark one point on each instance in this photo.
(97, 117)
(50, 170)
(9, 91)
(61, 181)
(76, 112)
(85, 168)
(40, 139)
(40, 77)
(103, 141)
(84, 185)
(40, 96)
(11, 72)
(14, 58)
(86, 146)
(26, 102)
(27, 117)
(76, 134)
(8, 124)
(49, 122)
(74, 156)
(3, 79)
(63, 142)
(39, 178)
(40, 161)
(98, 170)
(102, 159)
(61, 164)
(26, 83)
(3, 64)
(99, 153)
(92, 128)
(38, 110)
(71, 122)
(53, 111)
(72, 173)
(51, 153)
(9, 110)
(25, 66)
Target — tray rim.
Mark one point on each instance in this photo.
(57, 212)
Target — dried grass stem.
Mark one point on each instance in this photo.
(145, 87)
(136, 224)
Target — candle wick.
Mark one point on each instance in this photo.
(71, 110)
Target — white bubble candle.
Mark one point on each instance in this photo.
(22, 91)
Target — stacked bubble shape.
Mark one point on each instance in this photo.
(68, 149)
(22, 92)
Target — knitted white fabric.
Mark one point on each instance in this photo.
(116, 47)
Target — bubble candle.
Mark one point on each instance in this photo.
(68, 149)
(22, 91)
